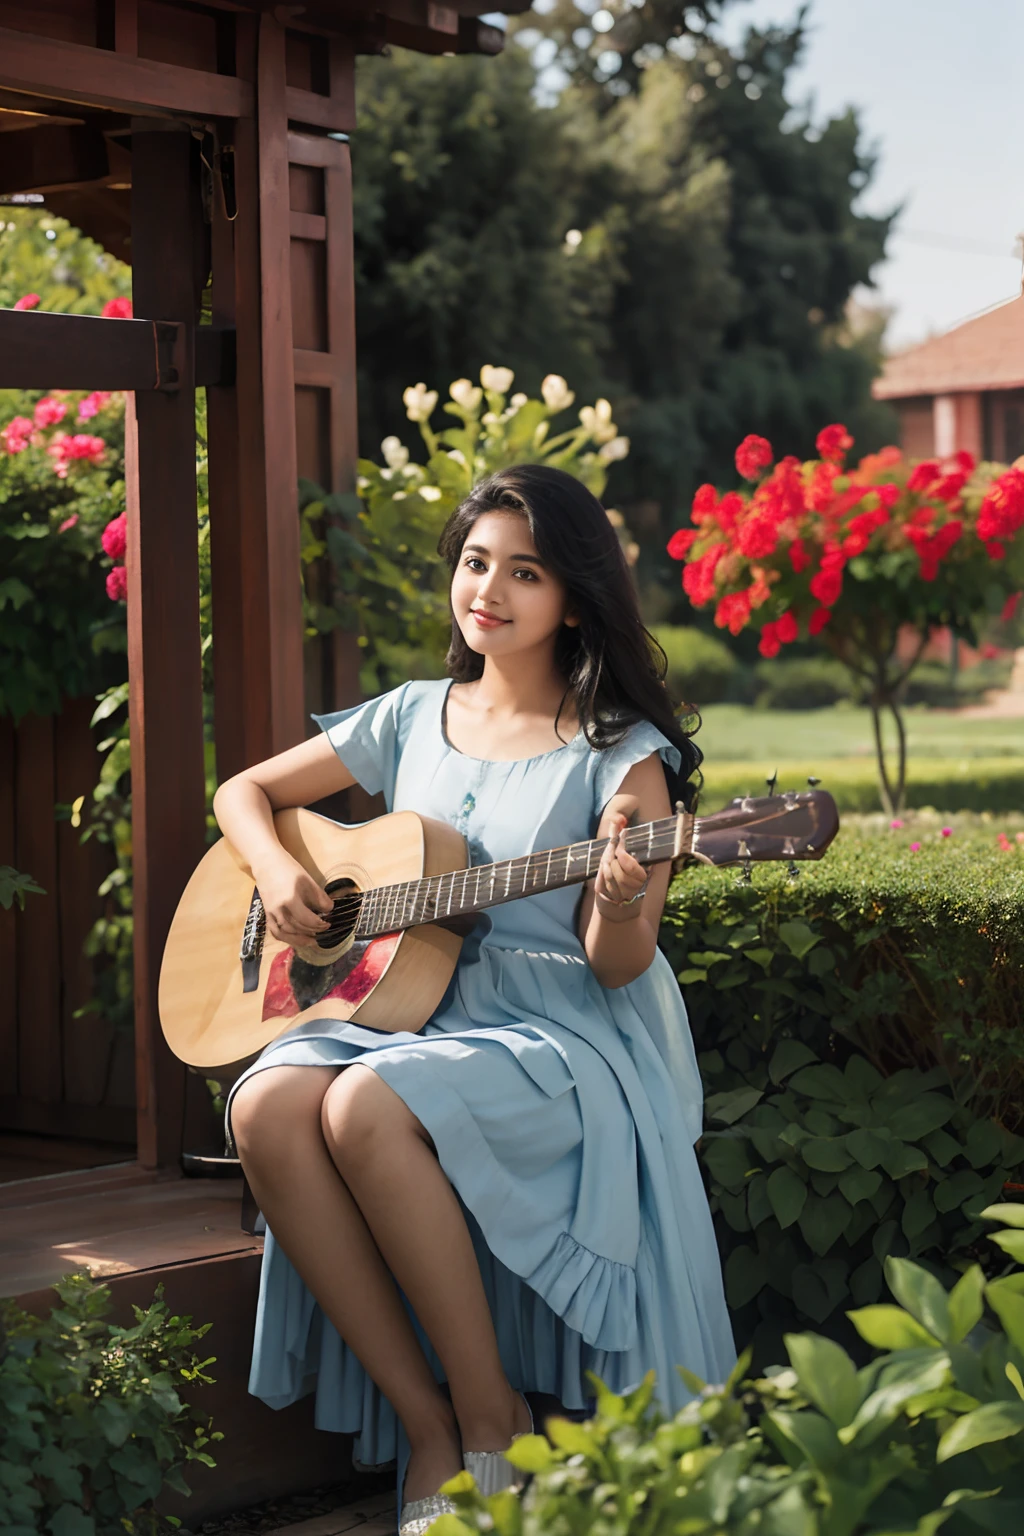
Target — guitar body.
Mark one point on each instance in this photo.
(391, 982)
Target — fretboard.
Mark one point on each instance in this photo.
(390, 908)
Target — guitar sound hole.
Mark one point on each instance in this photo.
(347, 904)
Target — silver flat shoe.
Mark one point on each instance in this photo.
(492, 1472)
(420, 1514)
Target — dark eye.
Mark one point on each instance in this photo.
(472, 561)
(525, 571)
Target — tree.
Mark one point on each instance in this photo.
(857, 557)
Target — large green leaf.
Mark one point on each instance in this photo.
(966, 1303)
(733, 1105)
(787, 1193)
(788, 1057)
(922, 1295)
(823, 1221)
(868, 1147)
(820, 1082)
(728, 1158)
(827, 1374)
(927, 1113)
(798, 938)
(1012, 1215)
(888, 1327)
(992, 1421)
(829, 1153)
(745, 1275)
(859, 1183)
(1011, 1243)
(952, 1192)
(1006, 1301)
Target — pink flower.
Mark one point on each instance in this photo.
(915, 847)
(753, 455)
(92, 404)
(787, 629)
(1004, 843)
(27, 301)
(117, 309)
(895, 825)
(49, 411)
(117, 584)
(17, 433)
(770, 644)
(69, 522)
(947, 831)
(1019, 837)
(115, 537)
(818, 619)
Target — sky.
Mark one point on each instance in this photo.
(934, 81)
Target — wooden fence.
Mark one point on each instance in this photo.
(59, 1074)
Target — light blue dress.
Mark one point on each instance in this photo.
(564, 1113)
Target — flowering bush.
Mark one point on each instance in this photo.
(383, 542)
(854, 554)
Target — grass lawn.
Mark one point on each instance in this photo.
(953, 763)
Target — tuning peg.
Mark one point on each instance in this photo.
(812, 781)
(793, 869)
(771, 783)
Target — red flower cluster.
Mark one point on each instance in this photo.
(117, 584)
(64, 449)
(115, 537)
(93, 404)
(27, 301)
(17, 434)
(785, 543)
(117, 309)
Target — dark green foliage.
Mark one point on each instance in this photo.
(860, 1031)
(701, 668)
(927, 1435)
(807, 682)
(706, 293)
(982, 784)
(92, 1426)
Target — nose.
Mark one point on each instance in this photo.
(490, 584)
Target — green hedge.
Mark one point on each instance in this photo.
(860, 1032)
(968, 784)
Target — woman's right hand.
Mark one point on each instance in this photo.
(297, 907)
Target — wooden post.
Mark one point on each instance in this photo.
(164, 669)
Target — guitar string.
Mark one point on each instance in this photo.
(382, 903)
(386, 905)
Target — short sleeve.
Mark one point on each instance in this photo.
(612, 765)
(367, 738)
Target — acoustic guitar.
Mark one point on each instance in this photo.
(404, 899)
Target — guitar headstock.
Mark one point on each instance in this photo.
(759, 828)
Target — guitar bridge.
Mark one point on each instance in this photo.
(251, 950)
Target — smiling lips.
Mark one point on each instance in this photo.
(488, 620)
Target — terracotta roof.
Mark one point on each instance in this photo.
(984, 353)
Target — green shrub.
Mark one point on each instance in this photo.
(935, 684)
(822, 1174)
(91, 1424)
(945, 784)
(809, 682)
(926, 1436)
(701, 668)
(916, 959)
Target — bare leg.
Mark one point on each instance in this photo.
(388, 1163)
(275, 1119)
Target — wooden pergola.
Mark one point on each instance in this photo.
(207, 144)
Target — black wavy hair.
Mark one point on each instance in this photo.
(614, 667)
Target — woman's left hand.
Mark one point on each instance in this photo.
(619, 877)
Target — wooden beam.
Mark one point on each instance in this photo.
(52, 157)
(98, 77)
(308, 226)
(54, 351)
(284, 616)
(310, 149)
(164, 666)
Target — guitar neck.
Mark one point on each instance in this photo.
(435, 898)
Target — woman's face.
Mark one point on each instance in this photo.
(503, 597)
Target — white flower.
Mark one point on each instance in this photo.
(615, 518)
(496, 379)
(616, 449)
(540, 434)
(430, 493)
(518, 400)
(465, 394)
(419, 402)
(557, 394)
(396, 455)
(399, 496)
(598, 421)
(458, 455)
(573, 239)
(488, 419)
(362, 484)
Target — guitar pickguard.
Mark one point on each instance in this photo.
(294, 985)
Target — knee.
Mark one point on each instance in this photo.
(270, 1110)
(358, 1110)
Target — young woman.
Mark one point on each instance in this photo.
(510, 1198)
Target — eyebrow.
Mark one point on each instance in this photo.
(481, 549)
